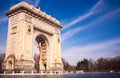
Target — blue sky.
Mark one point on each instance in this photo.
(91, 28)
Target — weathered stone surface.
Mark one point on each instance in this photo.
(27, 24)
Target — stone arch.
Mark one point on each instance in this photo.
(12, 55)
(42, 34)
(10, 60)
(31, 25)
(45, 37)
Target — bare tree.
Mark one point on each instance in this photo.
(2, 56)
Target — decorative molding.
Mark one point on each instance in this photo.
(29, 9)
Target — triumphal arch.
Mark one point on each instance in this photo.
(27, 24)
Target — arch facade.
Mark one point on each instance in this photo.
(27, 24)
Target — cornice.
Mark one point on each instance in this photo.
(29, 9)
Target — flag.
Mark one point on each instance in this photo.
(39, 59)
(39, 47)
(39, 54)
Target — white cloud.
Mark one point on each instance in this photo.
(98, 6)
(108, 16)
(96, 50)
(2, 48)
(36, 3)
(100, 20)
(78, 19)
(33, 2)
(94, 9)
(70, 33)
(2, 19)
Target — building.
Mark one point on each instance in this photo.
(27, 24)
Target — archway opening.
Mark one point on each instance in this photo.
(40, 48)
(11, 62)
